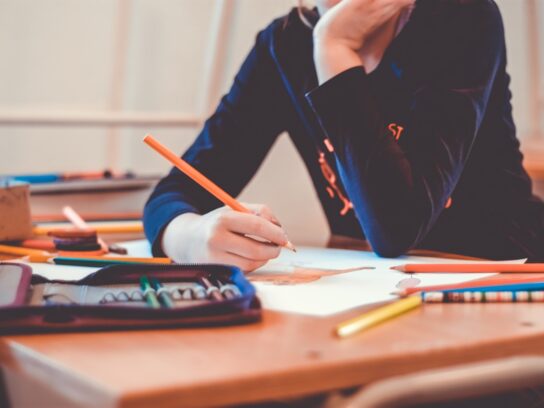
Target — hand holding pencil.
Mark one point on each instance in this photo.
(237, 234)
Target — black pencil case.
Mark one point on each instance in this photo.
(112, 299)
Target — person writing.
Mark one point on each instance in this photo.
(401, 112)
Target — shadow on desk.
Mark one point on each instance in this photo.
(506, 383)
(4, 402)
(513, 382)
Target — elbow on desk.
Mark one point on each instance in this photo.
(389, 250)
(393, 241)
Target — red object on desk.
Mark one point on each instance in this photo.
(471, 268)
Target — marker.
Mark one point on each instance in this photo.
(164, 296)
(211, 290)
(149, 293)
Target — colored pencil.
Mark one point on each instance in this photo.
(501, 288)
(514, 296)
(39, 244)
(120, 216)
(471, 268)
(471, 284)
(95, 261)
(58, 177)
(149, 293)
(377, 316)
(13, 250)
(113, 228)
(200, 179)
(164, 296)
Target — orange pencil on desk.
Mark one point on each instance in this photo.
(200, 178)
(471, 268)
(500, 280)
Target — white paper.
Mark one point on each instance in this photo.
(311, 281)
(334, 293)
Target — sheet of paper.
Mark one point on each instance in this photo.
(291, 284)
(312, 281)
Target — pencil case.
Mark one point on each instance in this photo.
(113, 299)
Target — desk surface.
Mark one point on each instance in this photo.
(284, 355)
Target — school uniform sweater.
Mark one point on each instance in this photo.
(420, 153)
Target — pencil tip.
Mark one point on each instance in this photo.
(290, 246)
(397, 268)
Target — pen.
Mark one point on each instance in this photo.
(201, 179)
(377, 316)
(164, 296)
(149, 293)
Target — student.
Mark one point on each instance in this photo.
(401, 112)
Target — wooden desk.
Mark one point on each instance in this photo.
(283, 356)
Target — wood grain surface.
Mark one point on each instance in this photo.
(283, 356)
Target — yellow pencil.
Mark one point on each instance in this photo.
(377, 316)
(123, 228)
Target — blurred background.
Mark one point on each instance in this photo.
(81, 82)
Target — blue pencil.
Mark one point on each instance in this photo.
(501, 288)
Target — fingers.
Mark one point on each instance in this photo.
(247, 265)
(247, 247)
(258, 226)
(264, 211)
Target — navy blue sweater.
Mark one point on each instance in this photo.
(424, 147)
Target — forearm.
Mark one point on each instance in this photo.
(331, 58)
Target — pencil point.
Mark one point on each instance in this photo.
(290, 246)
(397, 268)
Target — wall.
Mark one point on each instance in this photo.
(61, 56)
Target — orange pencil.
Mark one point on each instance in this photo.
(501, 280)
(471, 268)
(200, 178)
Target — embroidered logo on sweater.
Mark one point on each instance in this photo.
(396, 130)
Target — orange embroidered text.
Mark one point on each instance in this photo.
(333, 188)
(396, 130)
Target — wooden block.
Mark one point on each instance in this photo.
(15, 219)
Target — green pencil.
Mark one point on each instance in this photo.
(149, 293)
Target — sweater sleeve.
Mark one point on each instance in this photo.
(400, 187)
(229, 149)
